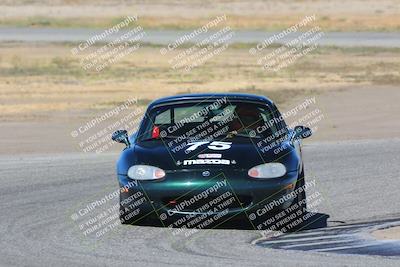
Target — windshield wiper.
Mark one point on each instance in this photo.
(235, 133)
(158, 138)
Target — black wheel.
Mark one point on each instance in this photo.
(299, 203)
(298, 209)
(300, 199)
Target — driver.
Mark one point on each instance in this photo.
(247, 117)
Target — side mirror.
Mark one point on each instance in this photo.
(301, 132)
(121, 136)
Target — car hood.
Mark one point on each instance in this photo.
(241, 155)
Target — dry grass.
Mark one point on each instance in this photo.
(37, 80)
(237, 22)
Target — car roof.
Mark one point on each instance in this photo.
(229, 96)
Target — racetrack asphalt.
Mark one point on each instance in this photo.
(165, 37)
(359, 182)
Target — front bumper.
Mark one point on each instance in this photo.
(226, 195)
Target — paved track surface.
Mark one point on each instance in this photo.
(359, 182)
(164, 37)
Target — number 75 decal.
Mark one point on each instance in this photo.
(216, 145)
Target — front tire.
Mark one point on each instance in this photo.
(300, 200)
(298, 208)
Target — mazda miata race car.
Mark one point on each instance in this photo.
(199, 160)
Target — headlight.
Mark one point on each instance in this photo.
(144, 172)
(268, 170)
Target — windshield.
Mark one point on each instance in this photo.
(211, 120)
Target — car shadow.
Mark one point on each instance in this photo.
(311, 221)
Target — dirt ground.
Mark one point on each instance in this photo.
(392, 233)
(37, 80)
(349, 114)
